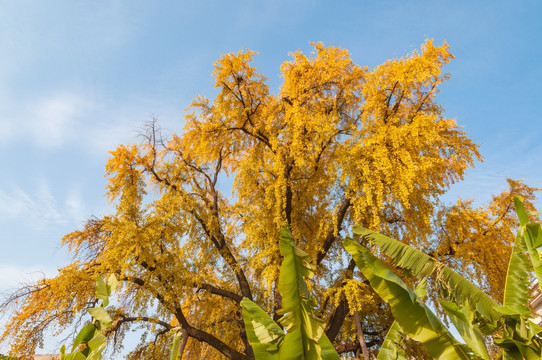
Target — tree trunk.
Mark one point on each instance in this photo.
(184, 340)
(360, 336)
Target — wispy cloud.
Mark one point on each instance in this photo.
(67, 119)
(52, 122)
(12, 277)
(45, 121)
(74, 205)
(39, 208)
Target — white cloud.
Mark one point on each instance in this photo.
(15, 203)
(67, 119)
(51, 48)
(111, 127)
(47, 121)
(52, 122)
(37, 209)
(75, 206)
(47, 204)
(40, 209)
(12, 277)
(72, 120)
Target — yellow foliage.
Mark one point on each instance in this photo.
(47, 306)
(338, 145)
(479, 241)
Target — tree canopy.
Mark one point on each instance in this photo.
(197, 214)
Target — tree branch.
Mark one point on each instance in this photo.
(352, 347)
(331, 237)
(197, 334)
(345, 348)
(225, 252)
(127, 319)
(337, 319)
(221, 292)
(360, 335)
(218, 240)
(213, 341)
(184, 340)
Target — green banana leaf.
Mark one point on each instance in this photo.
(422, 265)
(84, 336)
(391, 347)
(102, 292)
(328, 351)
(516, 290)
(91, 334)
(305, 337)
(472, 311)
(516, 346)
(263, 333)
(531, 236)
(463, 319)
(415, 318)
(101, 315)
(521, 338)
(174, 353)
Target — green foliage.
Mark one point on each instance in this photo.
(303, 336)
(415, 318)
(175, 347)
(90, 341)
(521, 338)
(474, 313)
(392, 345)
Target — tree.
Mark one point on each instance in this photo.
(338, 145)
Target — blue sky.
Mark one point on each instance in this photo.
(79, 77)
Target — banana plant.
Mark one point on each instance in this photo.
(392, 346)
(91, 336)
(300, 335)
(474, 314)
(414, 317)
(521, 338)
